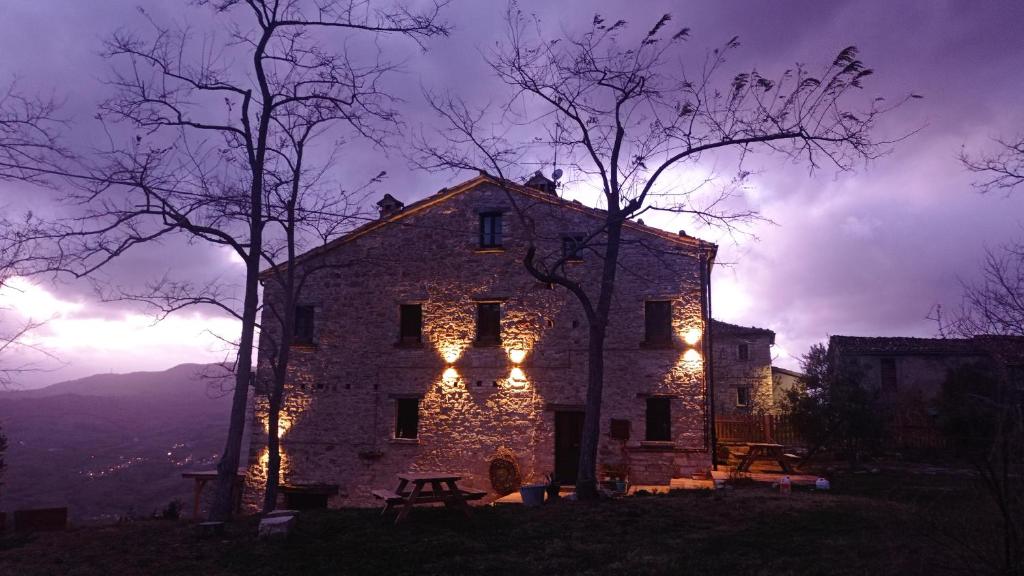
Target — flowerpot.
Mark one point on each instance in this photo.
(552, 491)
(532, 494)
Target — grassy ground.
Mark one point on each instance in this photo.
(888, 523)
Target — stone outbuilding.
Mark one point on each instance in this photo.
(742, 365)
(423, 343)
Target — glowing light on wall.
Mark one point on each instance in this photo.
(691, 355)
(450, 352)
(517, 356)
(450, 378)
(692, 336)
(516, 378)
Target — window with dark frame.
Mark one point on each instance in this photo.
(490, 230)
(658, 322)
(743, 396)
(743, 351)
(488, 323)
(889, 379)
(411, 324)
(619, 429)
(407, 418)
(303, 332)
(571, 246)
(659, 420)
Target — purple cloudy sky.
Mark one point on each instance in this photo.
(863, 253)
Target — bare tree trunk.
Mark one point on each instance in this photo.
(273, 447)
(586, 480)
(227, 468)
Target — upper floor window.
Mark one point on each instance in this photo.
(571, 247)
(743, 351)
(488, 323)
(407, 418)
(303, 333)
(411, 324)
(490, 230)
(659, 420)
(889, 378)
(743, 396)
(658, 322)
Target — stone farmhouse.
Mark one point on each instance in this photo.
(426, 345)
(907, 374)
(742, 367)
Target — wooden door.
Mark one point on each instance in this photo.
(568, 435)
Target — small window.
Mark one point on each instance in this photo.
(488, 323)
(658, 322)
(490, 230)
(571, 246)
(889, 378)
(411, 324)
(303, 333)
(743, 351)
(659, 420)
(743, 396)
(407, 418)
(620, 429)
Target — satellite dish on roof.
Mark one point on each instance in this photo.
(556, 174)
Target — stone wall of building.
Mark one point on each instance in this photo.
(732, 373)
(342, 393)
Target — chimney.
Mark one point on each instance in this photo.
(540, 182)
(388, 205)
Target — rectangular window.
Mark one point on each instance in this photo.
(744, 351)
(407, 418)
(490, 230)
(658, 322)
(659, 420)
(889, 379)
(303, 333)
(743, 396)
(488, 323)
(571, 247)
(620, 429)
(411, 324)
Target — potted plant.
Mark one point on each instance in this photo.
(532, 493)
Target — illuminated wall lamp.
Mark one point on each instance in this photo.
(692, 336)
(691, 355)
(516, 378)
(516, 356)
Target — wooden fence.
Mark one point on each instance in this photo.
(767, 428)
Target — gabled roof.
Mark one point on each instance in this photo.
(1009, 349)
(448, 193)
(720, 327)
(793, 373)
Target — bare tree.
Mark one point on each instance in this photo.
(203, 134)
(1001, 170)
(624, 116)
(993, 304)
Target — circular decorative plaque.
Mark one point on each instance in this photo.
(504, 472)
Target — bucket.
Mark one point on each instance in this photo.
(532, 494)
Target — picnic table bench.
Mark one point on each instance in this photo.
(412, 491)
(766, 452)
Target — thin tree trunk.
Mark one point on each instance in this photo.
(273, 446)
(586, 479)
(227, 468)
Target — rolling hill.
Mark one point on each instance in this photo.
(112, 445)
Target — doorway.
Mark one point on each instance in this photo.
(568, 435)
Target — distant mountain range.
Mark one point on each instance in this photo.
(111, 445)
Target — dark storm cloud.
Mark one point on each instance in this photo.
(862, 253)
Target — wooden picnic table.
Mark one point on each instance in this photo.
(412, 491)
(767, 452)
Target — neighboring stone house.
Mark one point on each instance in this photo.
(907, 374)
(424, 344)
(742, 366)
(784, 381)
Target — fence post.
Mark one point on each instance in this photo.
(769, 434)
